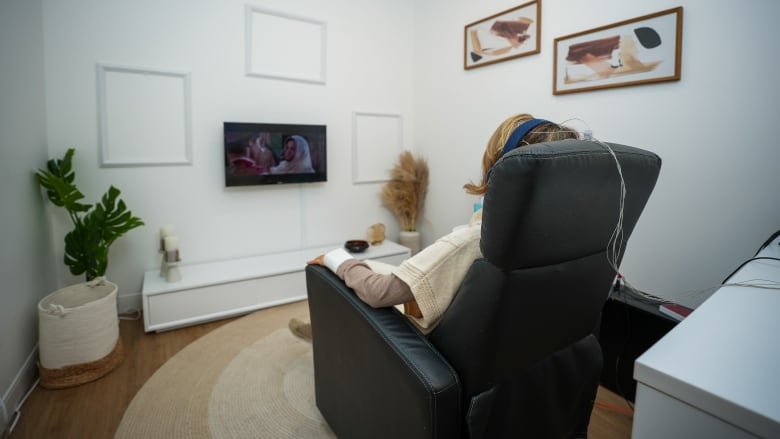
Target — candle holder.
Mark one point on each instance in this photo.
(171, 263)
(163, 264)
(169, 246)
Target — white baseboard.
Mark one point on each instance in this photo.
(129, 302)
(19, 387)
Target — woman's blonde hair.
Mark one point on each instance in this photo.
(546, 132)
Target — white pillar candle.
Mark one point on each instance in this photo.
(166, 231)
(171, 243)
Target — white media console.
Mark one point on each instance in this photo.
(215, 290)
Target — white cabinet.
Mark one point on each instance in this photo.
(715, 374)
(215, 290)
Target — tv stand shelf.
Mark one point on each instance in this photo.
(215, 290)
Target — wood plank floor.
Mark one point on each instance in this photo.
(94, 410)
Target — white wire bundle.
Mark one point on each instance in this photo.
(615, 242)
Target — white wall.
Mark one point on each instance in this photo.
(26, 261)
(714, 203)
(369, 68)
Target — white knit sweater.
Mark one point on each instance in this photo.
(435, 273)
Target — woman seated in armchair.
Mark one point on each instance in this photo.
(427, 282)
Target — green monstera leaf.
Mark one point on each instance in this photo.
(85, 253)
(86, 246)
(58, 179)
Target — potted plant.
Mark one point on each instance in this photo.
(404, 194)
(78, 325)
(86, 246)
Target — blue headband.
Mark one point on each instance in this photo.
(521, 131)
(517, 135)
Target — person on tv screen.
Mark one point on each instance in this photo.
(296, 158)
(259, 151)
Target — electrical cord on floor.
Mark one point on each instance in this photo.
(5, 432)
(18, 412)
(615, 408)
(132, 314)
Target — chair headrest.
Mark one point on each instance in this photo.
(552, 202)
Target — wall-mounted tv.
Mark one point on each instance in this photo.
(273, 153)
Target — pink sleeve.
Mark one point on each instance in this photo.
(377, 290)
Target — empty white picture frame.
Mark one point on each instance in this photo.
(284, 46)
(377, 140)
(144, 116)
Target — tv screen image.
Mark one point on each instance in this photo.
(272, 153)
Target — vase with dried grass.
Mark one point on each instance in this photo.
(404, 194)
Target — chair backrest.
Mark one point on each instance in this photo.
(550, 219)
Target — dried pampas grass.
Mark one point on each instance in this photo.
(405, 192)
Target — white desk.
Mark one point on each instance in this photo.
(220, 289)
(717, 373)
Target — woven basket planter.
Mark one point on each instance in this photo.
(78, 329)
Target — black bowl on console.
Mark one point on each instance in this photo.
(356, 245)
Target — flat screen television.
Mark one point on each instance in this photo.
(273, 153)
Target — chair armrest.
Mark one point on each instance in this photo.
(375, 374)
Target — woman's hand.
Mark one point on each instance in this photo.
(319, 260)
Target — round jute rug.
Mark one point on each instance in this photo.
(250, 378)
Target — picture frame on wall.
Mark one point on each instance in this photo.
(285, 46)
(641, 50)
(509, 34)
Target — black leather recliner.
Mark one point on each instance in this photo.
(514, 355)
